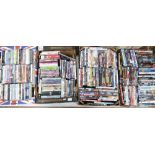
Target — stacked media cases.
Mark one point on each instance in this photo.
(57, 75)
(146, 77)
(98, 76)
(17, 78)
(128, 77)
(137, 77)
(24, 69)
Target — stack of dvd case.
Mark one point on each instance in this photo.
(17, 70)
(146, 77)
(98, 76)
(128, 69)
(57, 75)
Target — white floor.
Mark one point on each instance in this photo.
(56, 105)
